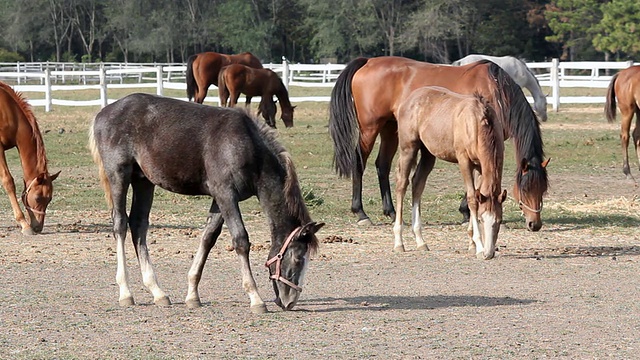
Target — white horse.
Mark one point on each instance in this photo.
(520, 73)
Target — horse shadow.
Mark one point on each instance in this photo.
(387, 302)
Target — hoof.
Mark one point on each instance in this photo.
(28, 231)
(398, 249)
(126, 302)
(259, 309)
(365, 222)
(193, 304)
(423, 247)
(480, 256)
(163, 301)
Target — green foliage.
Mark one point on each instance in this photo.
(619, 30)
(571, 22)
(10, 56)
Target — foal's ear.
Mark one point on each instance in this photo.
(503, 196)
(524, 165)
(479, 197)
(54, 176)
(545, 163)
(311, 228)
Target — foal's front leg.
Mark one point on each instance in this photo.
(231, 214)
(10, 187)
(209, 237)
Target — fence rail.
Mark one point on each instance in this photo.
(49, 77)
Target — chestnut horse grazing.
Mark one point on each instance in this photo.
(365, 101)
(520, 73)
(625, 86)
(235, 79)
(461, 129)
(203, 70)
(19, 129)
(139, 142)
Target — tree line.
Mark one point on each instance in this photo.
(317, 30)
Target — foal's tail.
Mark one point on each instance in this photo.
(192, 85)
(104, 181)
(610, 102)
(343, 122)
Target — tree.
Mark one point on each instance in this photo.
(571, 21)
(619, 30)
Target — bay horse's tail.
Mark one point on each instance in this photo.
(343, 122)
(104, 181)
(192, 85)
(610, 102)
(223, 91)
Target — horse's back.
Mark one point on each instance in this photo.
(384, 82)
(175, 144)
(627, 86)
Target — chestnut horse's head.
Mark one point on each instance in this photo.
(36, 197)
(287, 115)
(528, 193)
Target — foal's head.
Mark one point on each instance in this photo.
(36, 197)
(288, 265)
(267, 108)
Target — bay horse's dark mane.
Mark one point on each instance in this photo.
(522, 125)
(31, 119)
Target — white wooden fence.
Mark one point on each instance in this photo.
(50, 77)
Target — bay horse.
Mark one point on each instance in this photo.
(461, 129)
(625, 86)
(520, 73)
(203, 70)
(19, 129)
(364, 104)
(138, 141)
(236, 79)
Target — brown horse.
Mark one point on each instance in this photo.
(19, 129)
(203, 70)
(365, 101)
(461, 129)
(235, 79)
(625, 86)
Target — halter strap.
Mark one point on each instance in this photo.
(278, 259)
(529, 208)
(24, 198)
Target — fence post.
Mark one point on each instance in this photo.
(47, 92)
(159, 80)
(285, 72)
(18, 70)
(103, 86)
(555, 85)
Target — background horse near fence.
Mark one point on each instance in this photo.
(19, 129)
(236, 79)
(203, 70)
(520, 73)
(365, 100)
(231, 157)
(625, 86)
(460, 129)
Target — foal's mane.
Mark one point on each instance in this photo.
(292, 192)
(493, 138)
(26, 110)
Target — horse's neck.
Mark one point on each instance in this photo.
(531, 83)
(32, 160)
(283, 97)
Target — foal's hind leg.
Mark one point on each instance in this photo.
(636, 136)
(207, 241)
(139, 224)
(427, 161)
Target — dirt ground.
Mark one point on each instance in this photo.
(570, 290)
